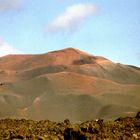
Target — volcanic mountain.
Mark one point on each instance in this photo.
(68, 83)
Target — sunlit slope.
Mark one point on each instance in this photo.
(67, 83)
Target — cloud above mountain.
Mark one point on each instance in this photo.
(10, 5)
(6, 49)
(72, 17)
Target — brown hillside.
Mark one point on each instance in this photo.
(69, 80)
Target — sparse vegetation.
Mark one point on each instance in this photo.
(85, 60)
(127, 128)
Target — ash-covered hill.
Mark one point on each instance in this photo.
(67, 83)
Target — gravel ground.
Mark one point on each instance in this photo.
(121, 129)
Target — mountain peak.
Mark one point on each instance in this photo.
(72, 50)
(70, 56)
(67, 56)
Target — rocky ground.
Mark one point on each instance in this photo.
(121, 129)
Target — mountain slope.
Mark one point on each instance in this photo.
(67, 83)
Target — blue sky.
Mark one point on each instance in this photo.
(110, 28)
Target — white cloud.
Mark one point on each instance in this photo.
(6, 49)
(8, 5)
(72, 17)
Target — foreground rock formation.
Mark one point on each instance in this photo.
(127, 128)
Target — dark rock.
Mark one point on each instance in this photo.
(84, 129)
(40, 138)
(67, 134)
(70, 134)
(18, 137)
(137, 124)
(119, 119)
(100, 122)
(138, 115)
(2, 84)
(92, 130)
(66, 121)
